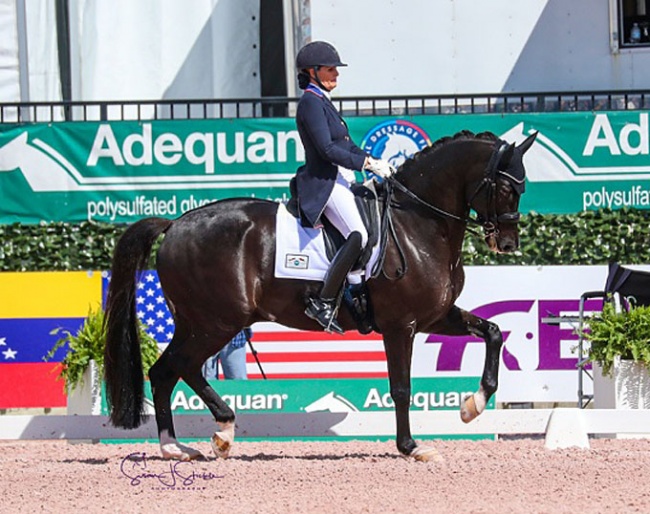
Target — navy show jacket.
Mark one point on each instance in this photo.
(327, 144)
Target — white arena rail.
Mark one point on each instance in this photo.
(563, 427)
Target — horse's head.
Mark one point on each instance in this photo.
(496, 197)
(466, 172)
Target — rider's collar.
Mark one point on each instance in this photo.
(313, 88)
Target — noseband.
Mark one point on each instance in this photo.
(490, 220)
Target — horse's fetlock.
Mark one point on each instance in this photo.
(489, 388)
(406, 446)
(400, 394)
(224, 418)
(494, 335)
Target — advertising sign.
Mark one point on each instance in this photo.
(538, 360)
(326, 395)
(123, 171)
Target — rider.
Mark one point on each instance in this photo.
(323, 182)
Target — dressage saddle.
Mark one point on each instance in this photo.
(355, 297)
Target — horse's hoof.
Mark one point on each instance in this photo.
(176, 451)
(220, 446)
(223, 440)
(426, 454)
(468, 411)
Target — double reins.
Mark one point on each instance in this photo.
(489, 222)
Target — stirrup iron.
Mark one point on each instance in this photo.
(324, 312)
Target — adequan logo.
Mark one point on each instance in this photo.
(395, 141)
(47, 169)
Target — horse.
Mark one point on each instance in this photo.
(216, 269)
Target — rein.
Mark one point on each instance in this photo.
(489, 222)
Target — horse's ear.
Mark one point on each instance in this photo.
(507, 155)
(528, 142)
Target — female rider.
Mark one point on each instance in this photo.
(323, 182)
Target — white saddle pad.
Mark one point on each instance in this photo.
(300, 252)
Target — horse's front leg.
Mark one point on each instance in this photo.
(461, 322)
(399, 349)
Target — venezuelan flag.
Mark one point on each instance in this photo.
(31, 306)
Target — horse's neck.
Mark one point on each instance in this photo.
(445, 179)
(433, 226)
(441, 190)
(444, 182)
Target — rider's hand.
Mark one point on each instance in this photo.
(379, 167)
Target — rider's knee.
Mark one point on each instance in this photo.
(360, 237)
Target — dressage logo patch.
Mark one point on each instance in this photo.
(296, 261)
(395, 141)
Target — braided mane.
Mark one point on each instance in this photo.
(462, 135)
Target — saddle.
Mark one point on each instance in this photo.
(355, 298)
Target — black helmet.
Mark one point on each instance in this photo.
(317, 53)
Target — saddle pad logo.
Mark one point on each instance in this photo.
(296, 261)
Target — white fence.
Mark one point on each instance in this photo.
(563, 427)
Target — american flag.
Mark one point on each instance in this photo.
(282, 352)
(151, 308)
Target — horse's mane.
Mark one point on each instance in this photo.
(429, 150)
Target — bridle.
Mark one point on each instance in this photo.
(489, 220)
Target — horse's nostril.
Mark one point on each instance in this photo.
(509, 246)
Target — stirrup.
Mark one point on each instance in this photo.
(324, 313)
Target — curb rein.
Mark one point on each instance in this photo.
(489, 222)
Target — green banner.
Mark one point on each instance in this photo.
(326, 395)
(123, 171)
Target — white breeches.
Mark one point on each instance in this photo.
(341, 210)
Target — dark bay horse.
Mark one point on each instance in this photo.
(216, 268)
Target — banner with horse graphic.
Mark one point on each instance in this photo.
(324, 395)
(121, 171)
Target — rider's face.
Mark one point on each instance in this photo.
(327, 75)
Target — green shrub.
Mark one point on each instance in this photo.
(624, 334)
(592, 237)
(88, 345)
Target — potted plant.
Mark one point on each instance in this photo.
(83, 366)
(620, 351)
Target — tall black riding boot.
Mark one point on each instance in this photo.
(323, 309)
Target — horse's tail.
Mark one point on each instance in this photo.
(122, 360)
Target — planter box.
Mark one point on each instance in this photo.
(86, 398)
(629, 388)
(632, 385)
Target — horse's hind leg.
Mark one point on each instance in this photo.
(223, 439)
(163, 378)
(461, 322)
(183, 359)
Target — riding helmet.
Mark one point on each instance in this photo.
(317, 53)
